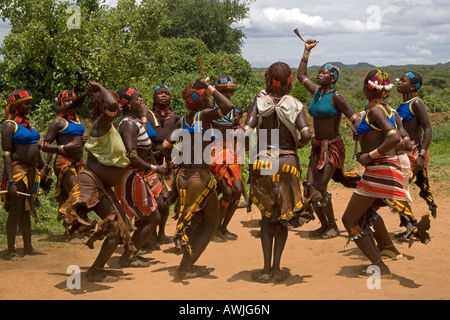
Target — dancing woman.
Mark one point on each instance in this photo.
(225, 166)
(140, 186)
(68, 132)
(277, 192)
(21, 177)
(382, 178)
(328, 148)
(163, 120)
(199, 204)
(104, 169)
(418, 125)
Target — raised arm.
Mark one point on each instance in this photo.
(111, 105)
(224, 104)
(303, 68)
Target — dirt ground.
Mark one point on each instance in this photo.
(319, 269)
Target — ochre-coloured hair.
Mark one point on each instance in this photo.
(97, 104)
(279, 79)
(197, 104)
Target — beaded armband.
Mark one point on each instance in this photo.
(132, 154)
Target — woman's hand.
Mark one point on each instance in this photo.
(93, 87)
(144, 110)
(12, 189)
(72, 145)
(200, 84)
(363, 158)
(310, 44)
(162, 169)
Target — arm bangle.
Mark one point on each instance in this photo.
(304, 80)
(61, 148)
(306, 54)
(111, 114)
(391, 132)
(374, 154)
(210, 90)
(353, 117)
(132, 154)
(152, 168)
(423, 153)
(7, 153)
(304, 129)
(166, 144)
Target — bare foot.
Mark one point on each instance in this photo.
(13, 256)
(96, 275)
(279, 275)
(194, 272)
(262, 276)
(34, 251)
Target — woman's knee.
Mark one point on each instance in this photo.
(155, 217)
(349, 221)
(227, 193)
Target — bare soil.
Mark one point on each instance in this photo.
(319, 269)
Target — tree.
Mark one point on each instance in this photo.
(118, 47)
(209, 20)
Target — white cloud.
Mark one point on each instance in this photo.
(416, 51)
(291, 16)
(350, 31)
(353, 25)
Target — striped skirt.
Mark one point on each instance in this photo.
(382, 179)
(135, 194)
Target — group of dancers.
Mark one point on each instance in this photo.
(130, 179)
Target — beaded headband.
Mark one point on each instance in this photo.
(412, 76)
(280, 84)
(127, 96)
(65, 94)
(161, 87)
(225, 82)
(19, 97)
(335, 73)
(195, 96)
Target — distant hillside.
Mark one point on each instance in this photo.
(359, 65)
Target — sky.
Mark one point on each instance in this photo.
(382, 32)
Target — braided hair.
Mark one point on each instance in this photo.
(279, 79)
(97, 104)
(195, 99)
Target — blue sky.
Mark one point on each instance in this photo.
(379, 32)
